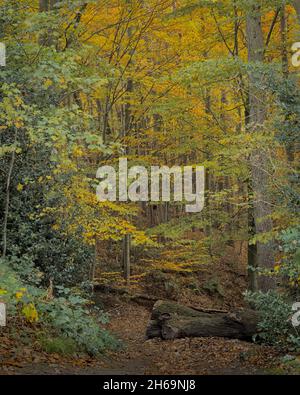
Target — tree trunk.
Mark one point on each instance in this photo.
(170, 320)
(296, 4)
(126, 257)
(46, 38)
(283, 33)
(7, 198)
(47, 5)
(43, 5)
(258, 161)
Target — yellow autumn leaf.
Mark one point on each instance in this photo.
(48, 83)
(20, 187)
(30, 312)
(19, 295)
(78, 152)
(18, 101)
(19, 124)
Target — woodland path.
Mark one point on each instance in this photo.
(128, 322)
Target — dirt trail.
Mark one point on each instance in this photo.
(140, 356)
(183, 356)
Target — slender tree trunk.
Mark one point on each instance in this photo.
(252, 248)
(258, 160)
(290, 149)
(283, 32)
(296, 4)
(47, 5)
(129, 89)
(46, 38)
(126, 257)
(43, 5)
(7, 198)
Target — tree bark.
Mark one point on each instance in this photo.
(296, 4)
(170, 320)
(43, 5)
(47, 5)
(126, 257)
(283, 33)
(46, 38)
(258, 160)
(7, 198)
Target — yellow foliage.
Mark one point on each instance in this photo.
(48, 83)
(30, 313)
(19, 295)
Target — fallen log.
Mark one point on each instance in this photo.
(170, 320)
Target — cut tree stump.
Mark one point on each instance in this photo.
(170, 320)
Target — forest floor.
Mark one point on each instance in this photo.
(217, 286)
(128, 321)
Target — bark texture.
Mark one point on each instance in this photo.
(258, 160)
(296, 4)
(170, 320)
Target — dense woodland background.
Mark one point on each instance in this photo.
(161, 82)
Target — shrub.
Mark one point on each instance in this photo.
(69, 315)
(19, 297)
(290, 265)
(275, 324)
(73, 317)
